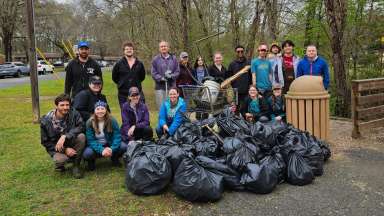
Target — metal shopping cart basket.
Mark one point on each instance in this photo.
(201, 99)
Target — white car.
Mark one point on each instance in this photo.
(43, 67)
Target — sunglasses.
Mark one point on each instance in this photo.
(239, 51)
(134, 95)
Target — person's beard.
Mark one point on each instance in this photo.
(130, 55)
(84, 55)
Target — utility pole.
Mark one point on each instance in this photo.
(32, 60)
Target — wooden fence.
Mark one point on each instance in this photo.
(367, 105)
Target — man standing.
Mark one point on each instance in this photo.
(288, 64)
(84, 102)
(165, 70)
(312, 64)
(128, 72)
(243, 82)
(79, 70)
(262, 72)
(61, 135)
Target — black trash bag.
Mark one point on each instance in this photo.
(314, 155)
(266, 134)
(294, 143)
(240, 152)
(261, 179)
(207, 146)
(299, 172)
(232, 124)
(187, 133)
(325, 149)
(276, 161)
(148, 173)
(195, 183)
(231, 177)
(175, 154)
(137, 147)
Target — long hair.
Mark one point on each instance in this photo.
(107, 123)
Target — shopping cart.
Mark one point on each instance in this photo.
(201, 99)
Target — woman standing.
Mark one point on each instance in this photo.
(103, 137)
(200, 71)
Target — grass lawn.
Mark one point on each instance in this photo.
(28, 183)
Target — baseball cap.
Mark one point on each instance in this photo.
(276, 45)
(95, 80)
(133, 91)
(82, 44)
(183, 55)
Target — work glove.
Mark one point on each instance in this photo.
(168, 74)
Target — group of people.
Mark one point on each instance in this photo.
(82, 127)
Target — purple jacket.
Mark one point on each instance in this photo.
(160, 65)
(129, 118)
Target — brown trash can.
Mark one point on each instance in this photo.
(307, 106)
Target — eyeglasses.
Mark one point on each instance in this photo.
(240, 51)
(262, 50)
(134, 95)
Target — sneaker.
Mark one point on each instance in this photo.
(60, 169)
(77, 172)
(91, 165)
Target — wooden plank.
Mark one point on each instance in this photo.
(302, 115)
(370, 112)
(289, 110)
(372, 124)
(323, 118)
(370, 99)
(309, 116)
(370, 84)
(294, 114)
(316, 118)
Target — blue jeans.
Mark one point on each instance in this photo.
(90, 154)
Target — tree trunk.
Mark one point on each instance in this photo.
(336, 14)
(184, 24)
(254, 29)
(309, 17)
(7, 45)
(272, 15)
(204, 27)
(234, 23)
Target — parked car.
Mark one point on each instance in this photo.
(15, 69)
(58, 63)
(43, 67)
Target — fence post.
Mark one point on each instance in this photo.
(354, 94)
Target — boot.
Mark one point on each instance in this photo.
(91, 165)
(76, 170)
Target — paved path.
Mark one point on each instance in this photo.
(352, 184)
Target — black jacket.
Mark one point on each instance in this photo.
(78, 74)
(242, 83)
(126, 77)
(219, 75)
(263, 107)
(49, 136)
(84, 103)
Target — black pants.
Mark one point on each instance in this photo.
(145, 133)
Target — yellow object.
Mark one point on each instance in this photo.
(41, 54)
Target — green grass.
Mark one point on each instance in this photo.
(28, 184)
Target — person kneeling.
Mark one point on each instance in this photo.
(103, 136)
(254, 108)
(171, 114)
(276, 104)
(135, 118)
(61, 135)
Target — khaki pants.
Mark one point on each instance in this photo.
(60, 158)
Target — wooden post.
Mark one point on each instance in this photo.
(354, 93)
(32, 60)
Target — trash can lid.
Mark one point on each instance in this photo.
(307, 86)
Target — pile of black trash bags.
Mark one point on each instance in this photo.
(199, 165)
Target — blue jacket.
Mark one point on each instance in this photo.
(319, 67)
(113, 138)
(175, 121)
